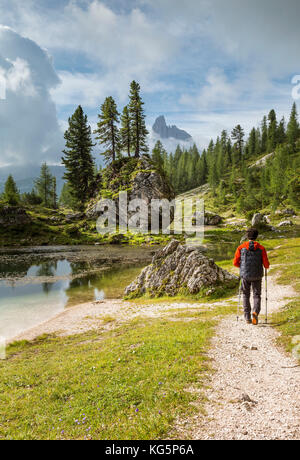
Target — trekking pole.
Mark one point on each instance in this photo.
(266, 289)
(238, 305)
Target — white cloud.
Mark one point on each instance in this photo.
(217, 91)
(18, 78)
(29, 131)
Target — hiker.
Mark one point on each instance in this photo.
(251, 257)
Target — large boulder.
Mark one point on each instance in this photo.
(180, 269)
(209, 218)
(258, 220)
(212, 219)
(141, 179)
(13, 216)
(285, 223)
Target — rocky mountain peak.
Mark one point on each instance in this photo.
(161, 128)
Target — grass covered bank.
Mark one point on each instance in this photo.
(128, 384)
(287, 321)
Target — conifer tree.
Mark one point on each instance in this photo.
(107, 130)
(238, 135)
(281, 134)
(293, 131)
(77, 158)
(272, 131)
(54, 194)
(125, 131)
(158, 155)
(252, 143)
(44, 186)
(137, 119)
(264, 135)
(11, 194)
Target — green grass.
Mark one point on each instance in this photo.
(127, 384)
(287, 321)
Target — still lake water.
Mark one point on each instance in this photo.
(34, 289)
(37, 285)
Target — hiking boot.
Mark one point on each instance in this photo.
(255, 318)
(248, 319)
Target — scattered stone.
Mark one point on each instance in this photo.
(289, 212)
(253, 347)
(285, 223)
(246, 398)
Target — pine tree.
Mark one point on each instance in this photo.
(78, 158)
(54, 195)
(158, 155)
(44, 186)
(11, 194)
(125, 131)
(107, 129)
(137, 119)
(281, 134)
(205, 166)
(278, 180)
(66, 198)
(272, 131)
(264, 135)
(293, 131)
(252, 143)
(238, 135)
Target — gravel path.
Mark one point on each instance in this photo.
(255, 392)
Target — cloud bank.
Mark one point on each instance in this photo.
(206, 64)
(29, 130)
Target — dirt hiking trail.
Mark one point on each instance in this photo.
(255, 391)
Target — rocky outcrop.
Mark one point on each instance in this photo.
(141, 179)
(165, 132)
(262, 161)
(179, 269)
(13, 216)
(75, 216)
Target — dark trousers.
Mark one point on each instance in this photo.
(246, 289)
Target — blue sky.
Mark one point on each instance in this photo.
(205, 65)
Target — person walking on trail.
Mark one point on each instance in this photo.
(250, 258)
